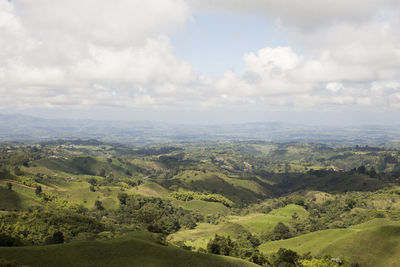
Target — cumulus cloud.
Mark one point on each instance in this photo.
(120, 23)
(58, 53)
(305, 14)
(340, 54)
(346, 57)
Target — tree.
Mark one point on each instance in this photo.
(17, 171)
(281, 231)
(56, 238)
(122, 198)
(102, 173)
(99, 205)
(4, 173)
(372, 173)
(92, 181)
(188, 221)
(149, 213)
(390, 159)
(287, 167)
(298, 200)
(221, 245)
(284, 257)
(361, 169)
(38, 190)
(257, 258)
(7, 240)
(350, 203)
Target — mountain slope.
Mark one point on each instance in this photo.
(133, 250)
(375, 243)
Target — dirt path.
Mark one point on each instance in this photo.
(47, 189)
(17, 183)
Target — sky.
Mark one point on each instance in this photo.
(202, 61)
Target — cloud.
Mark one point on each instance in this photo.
(305, 14)
(102, 22)
(78, 53)
(339, 55)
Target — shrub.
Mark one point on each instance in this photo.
(99, 205)
(281, 231)
(38, 190)
(298, 200)
(56, 238)
(284, 257)
(221, 245)
(8, 241)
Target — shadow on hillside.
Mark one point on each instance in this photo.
(330, 183)
(9, 200)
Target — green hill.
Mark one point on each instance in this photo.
(19, 198)
(375, 243)
(81, 165)
(204, 232)
(254, 223)
(212, 182)
(204, 207)
(133, 250)
(258, 223)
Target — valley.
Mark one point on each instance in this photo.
(249, 202)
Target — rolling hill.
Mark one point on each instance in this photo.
(132, 250)
(374, 243)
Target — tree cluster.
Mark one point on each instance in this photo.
(190, 195)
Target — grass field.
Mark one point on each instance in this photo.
(133, 250)
(259, 222)
(80, 193)
(152, 189)
(80, 165)
(375, 243)
(19, 198)
(201, 235)
(255, 223)
(216, 183)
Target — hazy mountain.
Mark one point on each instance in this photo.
(24, 128)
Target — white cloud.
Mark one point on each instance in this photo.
(89, 52)
(341, 54)
(305, 14)
(271, 61)
(114, 23)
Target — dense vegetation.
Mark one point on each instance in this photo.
(190, 195)
(251, 200)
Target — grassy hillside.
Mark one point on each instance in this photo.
(378, 246)
(81, 165)
(152, 189)
(375, 243)
(204, 232)
(204, 207)
(258, 223)
(238, 192)
(133, 250)
(255, 223)
(79, 192)
(19, 198)
(87, 192)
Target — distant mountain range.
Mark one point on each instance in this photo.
(26, 128)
